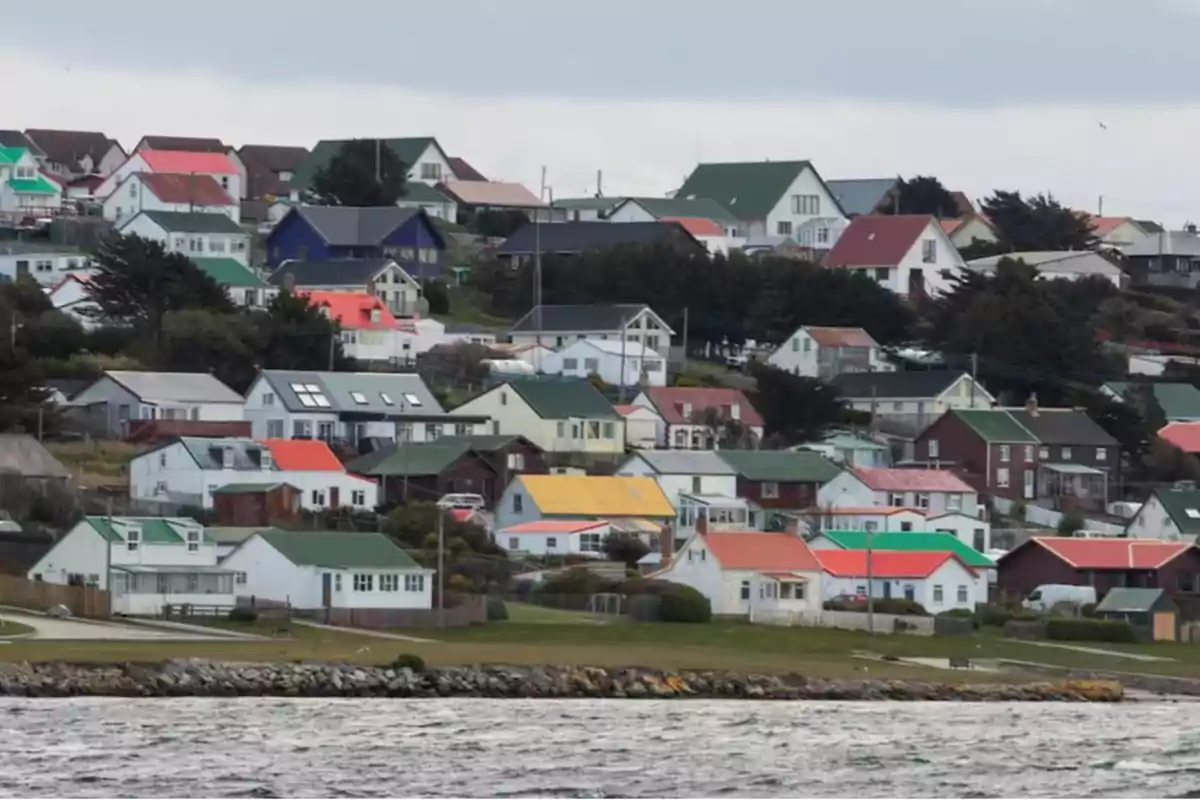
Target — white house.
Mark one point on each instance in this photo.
(162, 191)
(427, 162)
(912, 543)
(379, 277)
(1171, 514)
(974, 532)
(909, 401)
(769, 198)
(24, 189)
(558, 326)
(435, 204)
(819, 352)
(556, 537)
(875, 519)
(1119, 231)
(326, 570)
(642, 425)
(75, 154)
(687, 412)
(749, 573)
(559, 416)
(933, 491)
(72, 297)
(218, 166)
(909, 254)
(468, 333)
(369, 330)
(122, 397)
(618, 363)
(701, 485)
(189, 470)
(145, 562)
(350, 406)
(820, 233)
(850, 450)
(46, 263)
(970, 228)
(195, 235)
(1070, 265)
(939, 581)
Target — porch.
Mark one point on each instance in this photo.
(1073, 487)
(144, 590)
(718, 511)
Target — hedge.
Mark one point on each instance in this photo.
(684, 604)
(497, 611)
(1067, 629)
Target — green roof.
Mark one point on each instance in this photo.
(193, 222)
(587, 203)
(1183, 507)
(995, 426)
(417, 192)
(781, 466)
(483, 441)
(153, 530)
(229, 272)
(910, 541)
(38, 185)
(408, 150)
(749, 190)
(409, 458)
(1178, 401)
(699, 207)
(11, 155)
(249, 488)
(561, 399)
(338, 549)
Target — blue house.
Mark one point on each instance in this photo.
(328, 233)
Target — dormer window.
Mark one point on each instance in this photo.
(687, 410)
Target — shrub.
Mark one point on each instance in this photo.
(1088, 610)
(242, 614)
(960, 614)
(413, 662)
(576, 581)
(899, 605)
(1073, 629)
(684, 604)
(1069, 524)
(496, 610)
(997, 616)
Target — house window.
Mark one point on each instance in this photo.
(962, 593)
(462, 428)
(216, 245)
(274, 429)
(318, 497)
(937, 593)
(514, 543)
(896, 499)
(1004, 452)
(516, 461)
(431, 172)
(364, 582)
(904, 526)
(882, 274)
(593, 428)
(551, 542)
(1028, 453)
(162, 459)
(1002, 477)
(414, 583)
(561, 430)
(770, 489)
(193, 541)
(310, 395)
(589, 542)
(822, 235)
(954, 502)
(1101, 454)
(133, 539)
(337, 581)
(518, 504)
(301, 429)
(433, 430)
(681, 438)
(806, 204)
(783, 227)
(358, 497)
(1044, 453)
(412, 399)
(610, 430)
(389, 583)
(696, 484)
(325, 431)
(932, 446)
(745, 590)
(928, 251)
(591, 365)
(239, 578)
(1066, 454)
(359, 398)
(386, 398)
(571, 364)
(922, 500)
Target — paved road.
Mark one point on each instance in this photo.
(72, 629)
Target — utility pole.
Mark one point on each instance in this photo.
(441, 568)
(870, 591)
(537, 274)
(624, 338)
(404, 451)
(685, 338)
(332, 348)
(974, 372)
(378, 161)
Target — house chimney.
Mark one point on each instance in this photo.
(1031, 405)
(702, 520)
(1190, 227)
(666, 545)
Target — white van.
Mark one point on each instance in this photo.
(1048, 595)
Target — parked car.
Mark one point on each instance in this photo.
(1048, 595)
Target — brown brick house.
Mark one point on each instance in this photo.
(249, 505)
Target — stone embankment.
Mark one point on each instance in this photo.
(194, 678)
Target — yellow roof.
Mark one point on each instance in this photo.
(598, 495)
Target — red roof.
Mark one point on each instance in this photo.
(353, 310)
(201, 190)
(910, 480)
(885, 563)
(697, 226)
(761, 551)
(551, 526)
(882, 241)
(1102, 226)
(949, 226)
(1184, 435)
(1112, 553)
(462, 170)
(303, 454)
(183, 162)
(840, 337)
(670, 400)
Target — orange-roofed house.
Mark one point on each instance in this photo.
(371, 332)
(750, 573)
(1118, 231)
(821, 352)
(938, 580)
(219, 166)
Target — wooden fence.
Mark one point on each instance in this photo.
(82, 601)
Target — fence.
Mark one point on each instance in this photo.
(472, 611)
(1040, 515)
(845, 620)
(82, 601)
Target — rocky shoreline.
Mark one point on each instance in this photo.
(196, 678)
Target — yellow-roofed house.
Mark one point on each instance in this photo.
(529, 498)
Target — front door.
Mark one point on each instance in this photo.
(326, 589)
(887, 590)
(333, 497)
(1028, 484)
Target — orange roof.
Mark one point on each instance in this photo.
(949, 226)
(697, 226)
(1111, 553)
(180, 162)
(1184, 435)
(863, 511)
(761, 551)
(839, 337)
(303, 454)
(1102, 226)
(353, 310)
(559, 526)
(885, 563)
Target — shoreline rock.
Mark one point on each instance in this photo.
(198, 678)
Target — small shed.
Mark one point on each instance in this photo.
(1151, 611)
(256, 504)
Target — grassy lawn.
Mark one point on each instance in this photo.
(97, 462)
(9, 628)
(530, 614)
(467, 305)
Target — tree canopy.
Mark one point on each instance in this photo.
(364, 172)
(923, 194)
(794, 409)
(1038, 223)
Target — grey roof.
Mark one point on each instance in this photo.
(1074, 262)
(340, 272)
(686, 462)
(417, 192)
(192, 222)
(197, 387)
(337, 388)
(40, 247)
(579, 318)
(1170, 243)
(578, 237)
(351, 226)
(860, 195)
(1130, 599)
(886, 385)
(683, 207)
(19, 139)
(1150, 226)
(247, 453)
(587, 203)
(20, 452)
(1063, 427)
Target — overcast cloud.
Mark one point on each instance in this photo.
(983, 93)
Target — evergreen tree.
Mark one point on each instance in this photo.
(364, 172)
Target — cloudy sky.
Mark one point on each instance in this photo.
(1083, 98)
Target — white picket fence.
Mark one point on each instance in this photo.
(845, 620)
(1050, 518)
